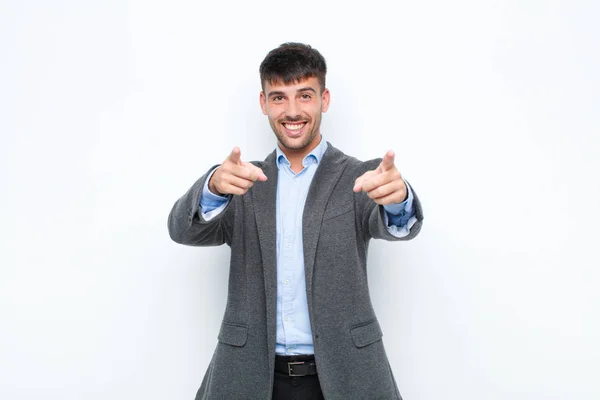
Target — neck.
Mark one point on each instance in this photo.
(295, 157)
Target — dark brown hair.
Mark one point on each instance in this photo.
(293, 62)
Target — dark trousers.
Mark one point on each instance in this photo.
(296, 387)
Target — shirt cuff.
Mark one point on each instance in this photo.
(400, 217)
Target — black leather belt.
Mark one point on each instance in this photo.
(300, 365)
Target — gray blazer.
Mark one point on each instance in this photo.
(337, 225)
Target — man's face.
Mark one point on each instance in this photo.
(294, 113)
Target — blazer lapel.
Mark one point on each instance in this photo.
(264, 196)
(327, 174)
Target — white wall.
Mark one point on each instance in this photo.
(109, 111)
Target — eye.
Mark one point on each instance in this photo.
(306, 96)
(277, 98)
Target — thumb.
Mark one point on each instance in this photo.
(360, 181)
(358, 184)
(388, 161)
(235, 156)
(261, 174)
(257, 172)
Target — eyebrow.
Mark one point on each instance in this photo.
(304, 89)
(276, 93)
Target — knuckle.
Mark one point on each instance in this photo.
(241, 173)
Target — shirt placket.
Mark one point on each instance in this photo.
(289, 259)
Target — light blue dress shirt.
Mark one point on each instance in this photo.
(294, 335)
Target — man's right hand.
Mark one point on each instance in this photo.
(235, 176)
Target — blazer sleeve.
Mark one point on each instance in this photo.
(187, 226)
(376, 222)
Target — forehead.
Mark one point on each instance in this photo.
(280, 86)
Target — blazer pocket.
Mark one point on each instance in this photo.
(338, 211)
(233, 334)
(367, 333)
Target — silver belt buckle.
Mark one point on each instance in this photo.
(290, 367)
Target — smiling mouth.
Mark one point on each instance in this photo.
(294, 127)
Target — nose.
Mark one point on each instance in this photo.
(292, 109)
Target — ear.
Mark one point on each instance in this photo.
(325, 97)
(263, 103)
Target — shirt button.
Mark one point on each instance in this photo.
(287, 319)
(286, 281)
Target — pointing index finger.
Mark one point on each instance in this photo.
(388, 160)
(236, 155)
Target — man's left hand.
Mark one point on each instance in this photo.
(385, 184)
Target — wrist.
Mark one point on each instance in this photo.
(212, 187)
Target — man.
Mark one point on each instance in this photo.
(299, 323)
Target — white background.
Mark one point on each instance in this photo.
(110, 110)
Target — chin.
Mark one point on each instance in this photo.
(298, 143)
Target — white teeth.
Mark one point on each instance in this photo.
(294, 127)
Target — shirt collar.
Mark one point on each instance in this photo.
(314, 156)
